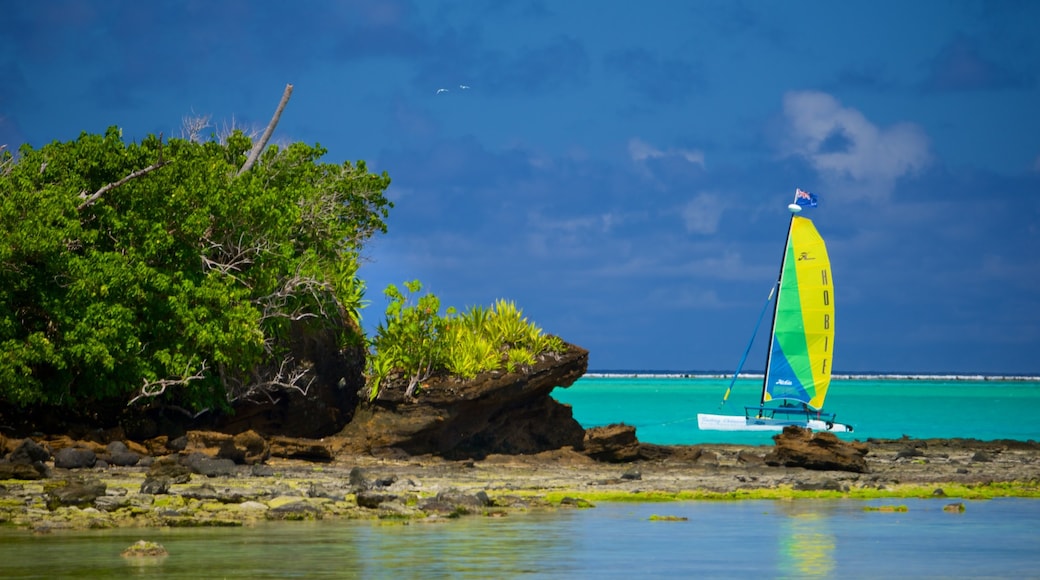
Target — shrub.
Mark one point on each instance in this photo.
(415, 342)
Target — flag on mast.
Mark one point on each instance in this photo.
(804, 198)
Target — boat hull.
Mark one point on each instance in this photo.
(741, 423)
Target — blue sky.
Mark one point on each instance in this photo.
(620, 170)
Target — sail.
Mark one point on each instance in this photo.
(798, 368)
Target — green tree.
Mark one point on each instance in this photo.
(155, 269)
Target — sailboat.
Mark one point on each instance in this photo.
(801, 342)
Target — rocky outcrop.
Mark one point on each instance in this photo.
(614, 443)
(797, 447)
(497, 412)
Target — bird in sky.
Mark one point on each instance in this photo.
(464, 87)
(439, 91)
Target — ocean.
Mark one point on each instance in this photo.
(837, 538)
(663, 407)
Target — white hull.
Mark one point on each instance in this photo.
(741, 423)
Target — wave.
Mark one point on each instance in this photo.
(836, 376)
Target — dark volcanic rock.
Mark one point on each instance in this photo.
(797, 447)
(74, 458)
(210, 467)
(29, 451)
(509, 413)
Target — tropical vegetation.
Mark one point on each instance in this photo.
(172, 269)
(179, 271)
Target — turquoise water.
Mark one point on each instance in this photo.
(746, 539)
(664, 409)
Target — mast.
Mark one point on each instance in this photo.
(794, 208)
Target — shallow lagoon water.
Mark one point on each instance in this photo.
(664, 409)
(751, 538)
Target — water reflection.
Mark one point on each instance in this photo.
(747, 539)
(806, 542)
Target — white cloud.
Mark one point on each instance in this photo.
(701, 214)
(640, 151)
(848, 151)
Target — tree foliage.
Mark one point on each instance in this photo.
(151, 269)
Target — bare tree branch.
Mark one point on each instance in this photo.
(89, 199)
(259, 146)
(156, 388)
(6, 164)
(288, 376)
(276, 304)
(231, 257)
(192, 127)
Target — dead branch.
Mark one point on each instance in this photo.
(156, 388)
(289, 376)
(89, 199)
(7, 164)
(232, 257)
(276, 304)
(259, 146)
(192, 127)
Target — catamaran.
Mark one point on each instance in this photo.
(798, 363)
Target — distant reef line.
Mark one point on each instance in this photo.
(837, 376)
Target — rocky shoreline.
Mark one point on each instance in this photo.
(317, 479)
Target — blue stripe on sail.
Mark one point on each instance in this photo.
(782, 383)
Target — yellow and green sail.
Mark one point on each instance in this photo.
(798, 369)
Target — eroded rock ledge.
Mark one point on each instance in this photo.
(497, 412)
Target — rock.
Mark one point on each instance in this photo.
(24, 471)
(749, 458)
(296, 448)
(909, 452)
(632, 475)
(29, 451)
(155, 485)
(177, 443)
(822, 485)
(74, 458)
(497, 412)
(981, 457)
(65, 441)
(119, 454)
(143, 549)
(956, 507)
(75, 493)
(318, 490)
(295, 510)
(259, 470)
(110, 503)
(173, 472)
(117, 447)
(372, 499)
(797, 447)
(127, 459)
(614, 443)
(209, 467)
(357, 480)
(455, 502)
(254, 447)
